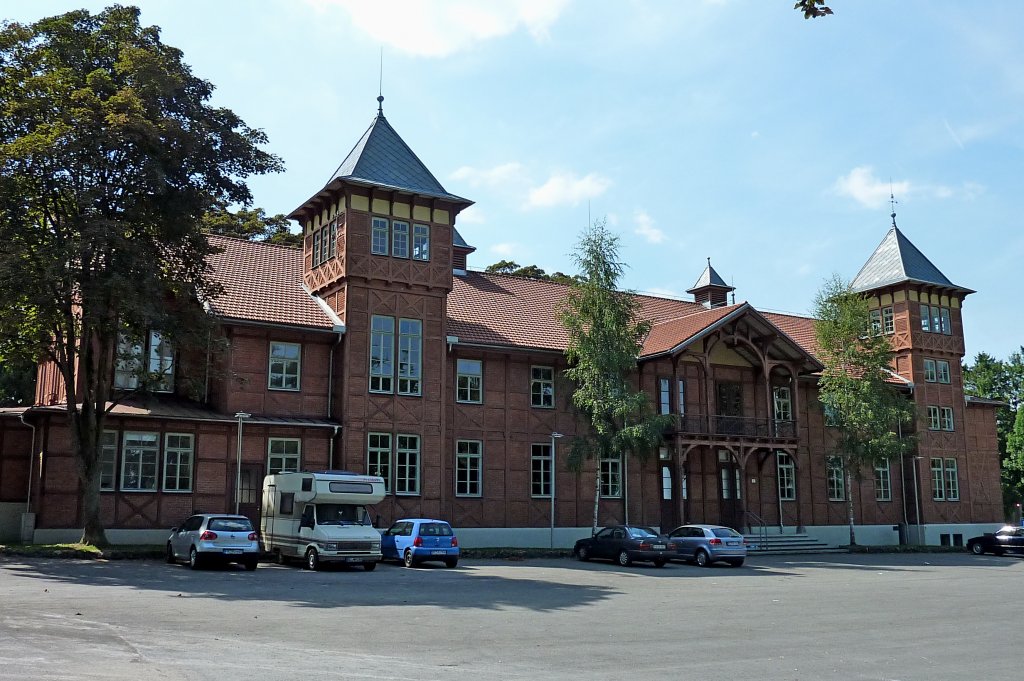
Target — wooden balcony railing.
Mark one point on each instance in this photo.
(744, 426)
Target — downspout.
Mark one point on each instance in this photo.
(31, 464)
(330, 376)
(330, 451)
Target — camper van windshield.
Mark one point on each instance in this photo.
(340, 514)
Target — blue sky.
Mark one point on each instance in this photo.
(728, 129)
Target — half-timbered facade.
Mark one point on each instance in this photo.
(374, 348)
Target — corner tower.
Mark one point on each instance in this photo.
(379, 246)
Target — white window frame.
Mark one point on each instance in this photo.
(161, 363)
(930, 375)
(926, 318)
(378, 457)
(946, 418)
(933, 417)
(288, 367)
(421, 242)
(128, 363)
(183, 459)
(407, 465)
(542, 387)
(947, 322)
(945, 479)
(942, 369)
(835, 475)
(288, 450)
(469, 384)
(469, 468)
(875, 321)
(317, 240)
(782, 399)
(883, 481)
(540, 470)
(108, 461)
(936, 319)
(611, 477)
(664, 396)
(399, 239)
(785, 473)
(332, 236)
(888, 321)
(410, 357)
(380, 236)
(382, 354)
(681, 396)
(145, 463)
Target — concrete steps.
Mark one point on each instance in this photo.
(780, 544)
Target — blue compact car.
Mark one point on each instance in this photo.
(417, 540)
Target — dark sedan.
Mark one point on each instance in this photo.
(1008, 539)
(625, 544)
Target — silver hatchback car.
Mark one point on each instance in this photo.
(707, 544)
(214, 537)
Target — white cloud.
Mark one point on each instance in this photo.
(472, 216)
(567, 189)
(505, 249)
(862, 186)
(501, 175)
(645, 228)
(438, 28)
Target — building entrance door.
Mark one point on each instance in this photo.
(730, 491)
(251, 492)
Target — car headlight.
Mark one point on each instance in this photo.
(375, 546)
(331, 546)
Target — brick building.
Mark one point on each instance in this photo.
(375, 348)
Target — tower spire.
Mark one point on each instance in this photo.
(892, 204)
(380, 85)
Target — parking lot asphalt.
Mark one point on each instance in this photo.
(906, 617)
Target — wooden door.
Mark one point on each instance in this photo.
(251, 492)
(730, 491)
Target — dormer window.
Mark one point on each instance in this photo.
(155, 359)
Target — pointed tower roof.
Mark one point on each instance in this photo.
(710, 278)
(381, 158)
(895, 261)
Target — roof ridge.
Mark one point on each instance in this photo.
(697, 312)
(250, 241)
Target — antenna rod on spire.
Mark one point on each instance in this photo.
(380, 85)
(892, 203)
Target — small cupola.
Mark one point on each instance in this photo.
(460, 252)
(710, 289)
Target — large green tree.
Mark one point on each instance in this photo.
(252, 224)
(511, 267)
(17, 379)
(110, 156)
(606, 335)
(867, 411)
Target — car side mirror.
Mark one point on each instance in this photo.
(174, 529)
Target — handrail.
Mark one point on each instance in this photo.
(762, 533)
(749, 426)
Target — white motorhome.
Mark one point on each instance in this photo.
(321, 517)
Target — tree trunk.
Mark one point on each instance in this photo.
(597, 498)
(849, 507)
(86, 428)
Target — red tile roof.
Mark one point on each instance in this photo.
(262, 283)
(668, 334)
(800, 329)
(499, 309)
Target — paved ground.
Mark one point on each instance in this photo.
(923, 617)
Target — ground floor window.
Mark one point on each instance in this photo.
(883, 482)
(378, 457)
(108, 461)
(945, 481)
(139, 456)
(836, 478)
(611, 477)
(178, 452)
(407, 465)
(786, 473)
(467, 468)
(540, 470)
(283, 455)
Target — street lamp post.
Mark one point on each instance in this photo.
(238, 463)
(917, 504)
(554, 436)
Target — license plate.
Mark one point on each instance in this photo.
(732, 543)
(658, 546)
(351, 559)
(233, 552)
(438, 553)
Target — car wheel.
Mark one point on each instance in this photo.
(451, 562)
(624, 559)
(251, 563)
(312, 560)
(170, 554)
(194, 561)
(408, 559)
(737, 562)
(660, 562)
(583, 553)
(702, 558)
(370, 566)
(280, 558)
(977, 549)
